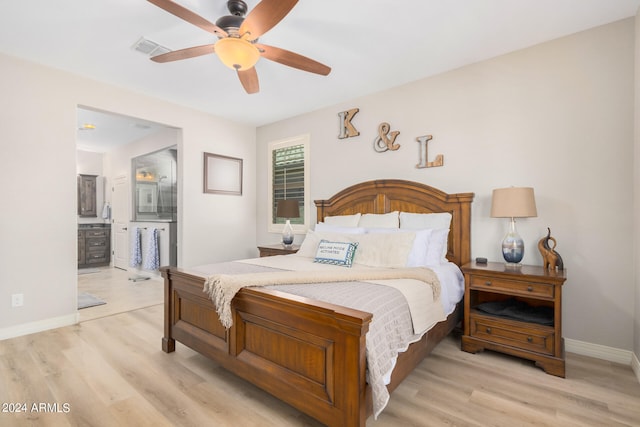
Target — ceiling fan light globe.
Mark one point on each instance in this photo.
(237, 53)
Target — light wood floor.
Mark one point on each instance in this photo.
(121, 294)
(110, 371)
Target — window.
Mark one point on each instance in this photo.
(289, 179)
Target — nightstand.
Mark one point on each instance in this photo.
(279, 249)
(519, 300)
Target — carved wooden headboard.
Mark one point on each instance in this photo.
(388, 195)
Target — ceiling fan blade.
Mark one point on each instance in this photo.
(190, 52)
(292, 59)
(249, 80)
(264, 16)
(189, 16)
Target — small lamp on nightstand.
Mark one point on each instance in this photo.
(513, 202)
(287, 209)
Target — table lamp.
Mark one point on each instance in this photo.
(287, 209)
(513, 202)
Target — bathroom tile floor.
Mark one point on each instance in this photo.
(121, 294)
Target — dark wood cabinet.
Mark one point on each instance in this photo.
(528, 323)
(81, 248)
(94, 246)
(87, 196)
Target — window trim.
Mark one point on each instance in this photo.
(304, 140)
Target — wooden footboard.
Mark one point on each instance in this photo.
(307, 353)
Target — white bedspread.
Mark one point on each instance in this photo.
(418, 295)
(449, 274)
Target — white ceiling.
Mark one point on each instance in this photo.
(371, 45)
(111, 130)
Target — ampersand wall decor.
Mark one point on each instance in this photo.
(385, 139)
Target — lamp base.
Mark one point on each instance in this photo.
(287, 235)
(513, 245)
(512, 265)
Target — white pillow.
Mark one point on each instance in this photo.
(385, 230)
(416, 221)
(387, 250)
(343, 220)
(309, 245)
(328, 228)
(388, 220)
(437, 252)
(418, 257)
(336, 253)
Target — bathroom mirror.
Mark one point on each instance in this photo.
(155, 186)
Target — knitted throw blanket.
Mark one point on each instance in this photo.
(221, 288)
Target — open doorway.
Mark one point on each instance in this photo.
(106, 144)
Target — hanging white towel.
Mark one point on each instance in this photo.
(152, 255)
(136, 251)
(106, 211)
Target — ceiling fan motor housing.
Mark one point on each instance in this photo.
(231, 23)
(237, 7)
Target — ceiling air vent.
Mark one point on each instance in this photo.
(149, 47)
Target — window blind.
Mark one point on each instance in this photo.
(288, 179)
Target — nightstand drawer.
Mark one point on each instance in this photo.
(515, 334)
(512, 287)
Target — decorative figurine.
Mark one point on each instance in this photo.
(550, 258)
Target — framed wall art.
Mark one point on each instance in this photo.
(222, 174)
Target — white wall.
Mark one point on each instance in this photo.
(557, 117)
(38, 220)
(636, 193)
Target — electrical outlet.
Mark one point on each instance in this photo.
(17, 300)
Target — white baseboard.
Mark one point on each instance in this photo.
(39, 326)
(599, 351)
(635, 365)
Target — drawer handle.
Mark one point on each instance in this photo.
(487, 283)
(488, 330)
(530, 288)
(529, 339)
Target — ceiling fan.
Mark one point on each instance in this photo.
(237, 45)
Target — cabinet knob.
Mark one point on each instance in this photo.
(529, 339)
(530, 288)
(487, 283)
(488, 330)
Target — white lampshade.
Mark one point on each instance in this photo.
(237, 53)
(513, 202)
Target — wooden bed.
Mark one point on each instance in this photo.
(307, 353)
